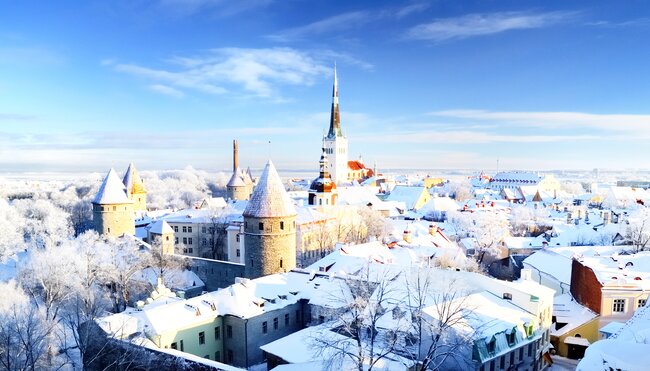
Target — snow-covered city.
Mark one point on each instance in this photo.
(132, 238)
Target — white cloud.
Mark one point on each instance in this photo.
(484, 24)
(255, 71)
(468, 137)
(332, 24)
(622, 123)
(166, 90)
(185, 8)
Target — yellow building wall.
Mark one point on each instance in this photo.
(139, 199)
(432, 182)
(587, 331)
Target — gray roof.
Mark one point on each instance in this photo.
(269, 198)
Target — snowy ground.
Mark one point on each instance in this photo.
(562, 364)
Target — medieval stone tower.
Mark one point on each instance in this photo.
(322, 191)
(240, 185)
(135, 190)
(112, 210)
(335, 143)
(269, 227)
(160, 232)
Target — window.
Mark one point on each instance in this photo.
(511, 337)
(321, 319)
(176, 240)
(204, 241)
(229, 331)
(207, 356)
(230, 358)
(189, 241)
(282, 225)
(275, 323)
(492, 365)
(189, 229)
(502, 362)
(176, 228)
(491, 346)
(217, 356)
(264, 327)
(286, 319)
(184, 229)
(201, 337)
(238, 253)
(237, 237)
(184, 240)
(204, 229)
(530, 349)
(619, 305)
(261, 226)
(298, 317)
(521, 353)
(174, 346)
(217, 333)
(182, 347)
(512, 358)
(507, 296)
(641, 303)
(280, 262)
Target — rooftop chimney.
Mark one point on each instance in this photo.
(235, 155)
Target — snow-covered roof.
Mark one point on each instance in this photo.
(440, 203)
(621, 270)
(571, 313)
(112, 191)
(299, 348)
(269, 198)
(523, 177)
(627, 349)
(238, 179)
(410, 195)
(160, 227)
(132, 180)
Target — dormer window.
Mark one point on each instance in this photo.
(492, 345)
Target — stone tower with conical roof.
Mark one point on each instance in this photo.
(322, 191)
(135, 190)
(240, 184)
(112, 210)
(269, 227)
(335, 143)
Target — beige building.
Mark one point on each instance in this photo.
(113, 213)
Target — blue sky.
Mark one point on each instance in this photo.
(86, 85)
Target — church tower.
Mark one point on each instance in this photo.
(135, 190)
(240, 184)
(335, 143)
(322, 191)
(269, 227)
(112, 210)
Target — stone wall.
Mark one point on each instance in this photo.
(272, 249)
(114, 220)
(216, 274)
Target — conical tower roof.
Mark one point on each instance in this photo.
(112, 191)
(237, 179)
(132, 181)
(269, 198)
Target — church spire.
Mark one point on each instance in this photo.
(335, 118)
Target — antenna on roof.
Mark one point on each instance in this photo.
(269, 151)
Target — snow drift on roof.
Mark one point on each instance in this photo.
(269, 198)
(112, 191)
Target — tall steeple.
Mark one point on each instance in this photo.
(335, 143)
(335, 117)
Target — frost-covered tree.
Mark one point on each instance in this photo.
(638, 229)
(365, 298)
(488, 229)
(11, 240)
(45, 224)
(441, 337)
(26, 336)
(460, 190)
(126, 260)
